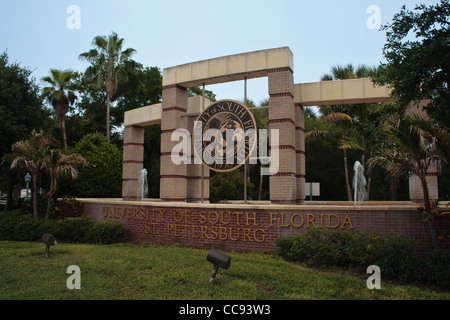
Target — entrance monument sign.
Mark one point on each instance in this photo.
(228, 134)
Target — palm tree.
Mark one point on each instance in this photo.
(59, 163)
(413, 150)
(367, 133)
(350, 119)
(344, 123)
(60, 95)
(347, 72)
(31, 155)
(109, 66)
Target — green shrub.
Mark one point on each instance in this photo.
(107, 232)
(229, 186)
(285, 246)
(74, 230)
(67, 207)
(25, 228)
(101, 177)
(69, 230)
(323, 247)
(436, 267)
(394, 255)
(7, 228)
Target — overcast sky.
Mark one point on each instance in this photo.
(44, 34)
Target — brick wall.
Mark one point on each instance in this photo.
(250, 228)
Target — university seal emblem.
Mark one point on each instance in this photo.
(224, 135)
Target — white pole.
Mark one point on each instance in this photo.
(245, 164)
(356, 183)
(203, 172)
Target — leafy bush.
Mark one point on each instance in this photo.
(102, 176)
(74, 230)
(437, 266)
(69, 230)
(229, 186)
(67, 207)
(394, 255)
(323, 247)
(107, 232)
(25, 228)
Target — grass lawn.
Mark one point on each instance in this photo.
(156, 272)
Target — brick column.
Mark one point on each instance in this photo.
(282, 117)
(300, 152)
(133, 155)
(194, 174)
(173, 177)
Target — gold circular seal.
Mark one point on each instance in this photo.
(224, 135)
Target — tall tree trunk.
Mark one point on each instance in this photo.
(49, 195)
(430, 217)
(369, 183)
(347, 180)
(49, 205)
(108, 106)
(63, 127)
(393, 185)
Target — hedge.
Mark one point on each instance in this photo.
(394, 255)
(68, 230)
(107, 232)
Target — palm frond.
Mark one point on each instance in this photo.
(100, 42)
(352, 142)
(315, 134)
(337, 117)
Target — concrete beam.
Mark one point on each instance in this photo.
(151, 115)
(229, 68)
(350, 91)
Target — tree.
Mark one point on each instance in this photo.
(143, 88)
(59, 163)
(88, 114)
(345, 116)
(229, 186)
(413, 150)
(102, 176)
(21, 111)
(321, 139)
(108, 66)
(60, 95)
(360, 123)
(31, 155)
(198, 91)
(366, 134)
(419, 67)
(344, 123)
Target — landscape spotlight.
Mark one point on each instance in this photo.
(219, 260)
(49, 240)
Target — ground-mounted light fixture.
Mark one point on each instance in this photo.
(219, 260)
(49, 240)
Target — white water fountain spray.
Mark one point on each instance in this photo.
(359, 183)
(143, 184)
